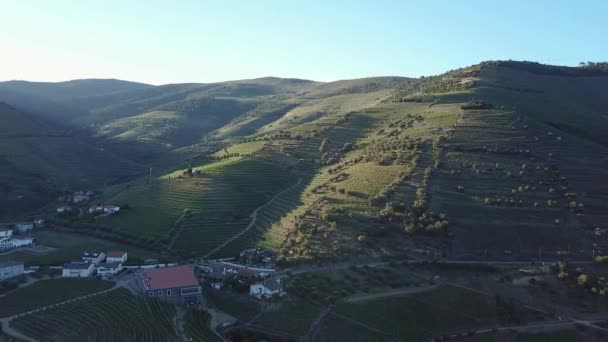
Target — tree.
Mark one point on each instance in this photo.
(582, 279)
(324, 145)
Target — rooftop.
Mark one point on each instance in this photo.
(110, 264)
(77, 265)
(115, 254)
(168, 277)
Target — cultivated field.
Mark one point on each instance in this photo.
(114, 316)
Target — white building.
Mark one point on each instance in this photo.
(6, 233)
(10, 269)
(267, 288)
(107, 269)
(78, 269)
(115, 256)
(111, 209)
(64, 209)
(93, 257)
(10, 243)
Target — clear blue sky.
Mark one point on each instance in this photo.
(205, 41)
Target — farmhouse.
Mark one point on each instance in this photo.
(10, 269)
(78, 269)
(24, 227)
(267, 288)
(106, 269)
(114, 256)
(93, 257)
(173, 284)
(6, 233)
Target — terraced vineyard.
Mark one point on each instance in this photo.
(48, 292)
(224, 209)
(260, 234)
(114, 316)
(218, 202)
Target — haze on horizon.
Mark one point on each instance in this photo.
(190, 41)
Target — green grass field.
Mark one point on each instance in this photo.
(47, 292)
(114, 316)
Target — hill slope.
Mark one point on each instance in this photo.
(38, 159)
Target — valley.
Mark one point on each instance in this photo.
(431, 200)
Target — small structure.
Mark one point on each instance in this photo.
(6, 233)
(110, 209)
(177, 285)
(39, 223)
(64, 209)
(267, 288)
(24, 227)
(107, 269)
(78, 269)
(96, 210)
(114, 256)
(10, 269)
(93, 257)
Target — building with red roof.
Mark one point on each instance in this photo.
(176, 284)
(116, 256)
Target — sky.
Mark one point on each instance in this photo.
(161, 42)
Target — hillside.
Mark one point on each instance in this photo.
(37, 160)
(386, 166)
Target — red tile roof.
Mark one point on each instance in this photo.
(115, 254)
(169, 277)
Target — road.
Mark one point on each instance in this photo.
(346, 265)
(254, 217)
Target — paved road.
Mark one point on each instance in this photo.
(346, 265)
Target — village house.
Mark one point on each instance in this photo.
(114, 256)
(94, 257)
(108, 269)
(78, 269)
(64, 209)
(108, 209)
(10, 269)
(6, 233)
(96, 209)
(11, 243)
(177, 285)
(111, 209)
(267, 288)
